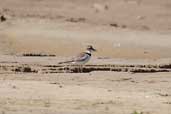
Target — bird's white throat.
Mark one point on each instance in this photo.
(88, 51)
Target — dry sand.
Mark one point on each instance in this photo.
(123, 31)
(94, 93)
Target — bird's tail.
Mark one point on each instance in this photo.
(65, 62)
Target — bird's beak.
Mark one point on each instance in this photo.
(94, 49)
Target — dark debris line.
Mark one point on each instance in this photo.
(45, 69)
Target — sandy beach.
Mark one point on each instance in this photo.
(130, 72)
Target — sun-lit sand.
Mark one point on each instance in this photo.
(132, 38)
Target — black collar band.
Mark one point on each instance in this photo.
(88, 53)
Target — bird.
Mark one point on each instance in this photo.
(82, 58)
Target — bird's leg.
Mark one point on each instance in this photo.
(78, 68)
(81, 68)
(70, 68)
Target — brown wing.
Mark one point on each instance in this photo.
(81, 57)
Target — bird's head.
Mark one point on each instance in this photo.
(90, 48)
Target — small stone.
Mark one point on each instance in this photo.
(60, 86)
(3, 18)
(14, 87)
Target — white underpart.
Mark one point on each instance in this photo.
(83, 62)
(87, 58)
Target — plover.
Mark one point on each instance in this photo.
(82, 58)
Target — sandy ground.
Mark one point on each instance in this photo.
(123, 31)
(94, 93)
(65, 27)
